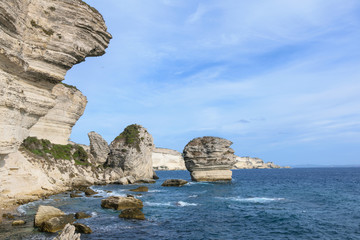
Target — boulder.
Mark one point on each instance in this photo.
(75, 195)
(45, 213)
(155, 176)
(132, 213)
(68, 233)
(89, 192)
(174, 183)
(82, 228)
(18, 222)
(130, 179)
(81, 215)
(123, 181)
(209, 159)
(132, 152)
(140, 189)
(120, 203)
(56, 224)
(99, 148)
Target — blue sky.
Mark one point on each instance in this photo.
(281, 79)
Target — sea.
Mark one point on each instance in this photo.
(299, 203)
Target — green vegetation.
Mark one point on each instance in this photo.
(44, 148)
(130, 136)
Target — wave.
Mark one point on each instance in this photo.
(155, 191)
(185, 204)
(254, 199)
(154, 204)
(193, 196)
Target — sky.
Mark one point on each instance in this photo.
(279, 78)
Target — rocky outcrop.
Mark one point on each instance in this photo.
(56, 125)
(253, 163)
(39, 42)
(167, 159)
(99, 148)
(132, 213)
(132, 152)
(209, 159)
(68, 233)
(120, 203)
(82, 228)
(56, 224)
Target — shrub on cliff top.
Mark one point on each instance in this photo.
(44, 148)
(131, 136)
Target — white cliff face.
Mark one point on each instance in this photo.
(56, 125)
(252, 163)
(99, 148)
(39, 41)
(167, 159)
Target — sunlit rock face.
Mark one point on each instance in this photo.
(209, 159)
(167, 159)
(40, 40)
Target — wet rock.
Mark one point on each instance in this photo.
(132, 213)
(56, 223)
(68, 233)
(120, 203)
(82, 228)
(155, 176)
(209, 159)
(8, 216)
(74, 195)
(145, 180)
(174, 183)
(140, 189)
(81, 215)
(45, 213)
(18, 222)
(89, 192)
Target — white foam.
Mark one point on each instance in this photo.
(152, 191)
(154, 204)
(185, 204)
(254, 199)
(94, 214)
(193, 196)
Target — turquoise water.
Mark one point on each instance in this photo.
(319, 203)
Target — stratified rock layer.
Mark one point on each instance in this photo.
(99, 148)
(209, 159)
(56, 125)
(39, 41)
(253, 163)
(167, 159)
(132, 152)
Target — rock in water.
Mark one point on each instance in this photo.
(18, 222)
(132, 213)
(56, 223)
(140, 189)
(68, 233)
(209, 159)
(45, 213)
(120, 203)
(132, 152)
(99, 148)
(174, 183)
(82, 228)
(81, 215)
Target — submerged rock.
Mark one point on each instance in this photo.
(45, 213)
(209, 159)
(120, 203)
(140, 189)
(99, 148)
(174, 183)
(68, 233)
(18, 222)
(132, 152)
(82, 228)
(132, 213)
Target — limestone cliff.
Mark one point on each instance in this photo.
(167, 159)
(39, 41)
(253, 163)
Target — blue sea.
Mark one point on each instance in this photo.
(304, 203)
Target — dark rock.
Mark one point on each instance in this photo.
(140, 189)
(174, 183)
(56, 223)
(132, 213)
(155, 176)
(89, 192)
(145, 180)
(74, 195)
(81, 215)
(8, 216)
(120, 203)
(82, 228)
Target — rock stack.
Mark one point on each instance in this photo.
(209, 159)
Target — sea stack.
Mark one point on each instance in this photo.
(209, 159)
(132, 152)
